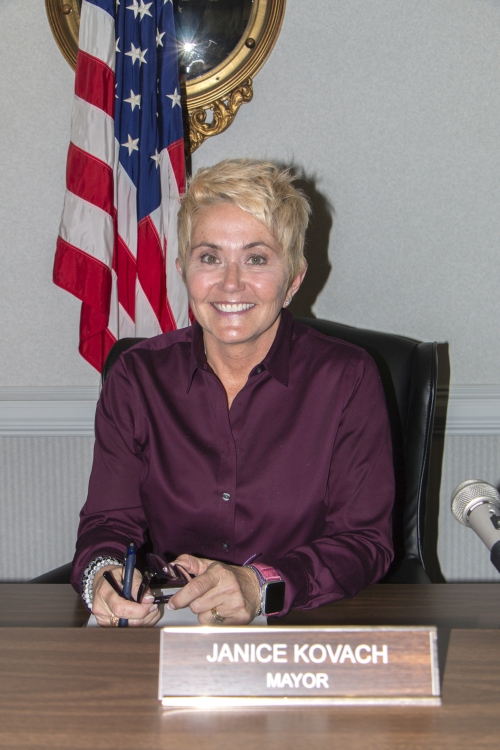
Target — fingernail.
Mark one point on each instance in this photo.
(170, 605)
(153, 608)
(148, 598)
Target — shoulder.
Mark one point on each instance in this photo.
(140, 367)
(162, 342)
(318, 346)
(173, 345)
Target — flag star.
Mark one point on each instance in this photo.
(140, 10)
(117, 43)
(136, 53)
(144, 9)
(116, 95)
(156, 158)
(131, 144)
(134, 100)
(159, 36)
(176, 98)
(134, 7)
(168, 1)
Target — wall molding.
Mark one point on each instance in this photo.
(52, 411)
(472, 409)
(48, 411)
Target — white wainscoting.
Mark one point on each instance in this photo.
(47, 411)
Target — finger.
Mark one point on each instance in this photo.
(243, 617)
(125, 610)
(147, 622)
(107, 602)
(192, 590)
(194, 565)
(107, 621)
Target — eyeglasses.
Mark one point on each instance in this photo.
(157, 566)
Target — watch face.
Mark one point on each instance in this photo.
(275, 597)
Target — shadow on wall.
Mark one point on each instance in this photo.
(317, 242)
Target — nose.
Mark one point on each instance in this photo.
(231, 280)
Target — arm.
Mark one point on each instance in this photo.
(112, 515)
(355, 548)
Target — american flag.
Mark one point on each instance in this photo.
(117, 241)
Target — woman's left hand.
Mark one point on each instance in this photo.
(233, 591)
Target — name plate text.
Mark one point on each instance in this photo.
(238, 666)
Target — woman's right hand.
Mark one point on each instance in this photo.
(107, 605)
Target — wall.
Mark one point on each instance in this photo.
(391, 110)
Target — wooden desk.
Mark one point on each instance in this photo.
(474, 605)
(70, 688)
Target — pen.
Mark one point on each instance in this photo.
(127, 579)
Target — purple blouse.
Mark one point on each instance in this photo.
(299, 469)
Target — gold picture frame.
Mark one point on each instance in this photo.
(212, 100)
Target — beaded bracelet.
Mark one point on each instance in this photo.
(89, 575)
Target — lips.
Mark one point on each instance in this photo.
(233, 307)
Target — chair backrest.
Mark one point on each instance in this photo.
(408, 370)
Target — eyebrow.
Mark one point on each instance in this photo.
(257, 243)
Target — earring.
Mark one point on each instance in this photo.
(287, 301)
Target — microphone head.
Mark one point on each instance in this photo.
(469, 494)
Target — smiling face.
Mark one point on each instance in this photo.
(237, 278)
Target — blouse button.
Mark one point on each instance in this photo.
(226, 496)
(225, 546)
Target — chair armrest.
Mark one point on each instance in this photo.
(410, 571)
(58, 575)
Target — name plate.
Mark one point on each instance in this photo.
(290, 666)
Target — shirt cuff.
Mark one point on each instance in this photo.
(296, 582)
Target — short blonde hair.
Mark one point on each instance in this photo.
(263, 190)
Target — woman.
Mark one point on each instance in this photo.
(246, 434)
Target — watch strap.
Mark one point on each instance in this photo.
(265, 573)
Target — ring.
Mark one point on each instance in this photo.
(217, 617)
(114, 620)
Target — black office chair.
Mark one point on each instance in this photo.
(408, 370)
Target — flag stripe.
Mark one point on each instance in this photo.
(146, 322)
(88, 228)
(177, 160)
(176, 292)
(126, 202)
(95, 83)
(95, 338)
(93, 130)
(83, 276)
(151, 267)
(90, 179)
(126, 270)
(97, 33)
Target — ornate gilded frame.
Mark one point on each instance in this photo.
(212, 100)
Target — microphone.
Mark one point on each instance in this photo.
(477, 504)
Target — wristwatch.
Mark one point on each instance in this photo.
(272, 589)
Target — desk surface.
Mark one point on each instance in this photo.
(445, 605)
(71, 688)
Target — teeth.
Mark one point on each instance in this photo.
(240, 307)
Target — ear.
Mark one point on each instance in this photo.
(179, 269)
(295, 286)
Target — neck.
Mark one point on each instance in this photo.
(232, 363)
